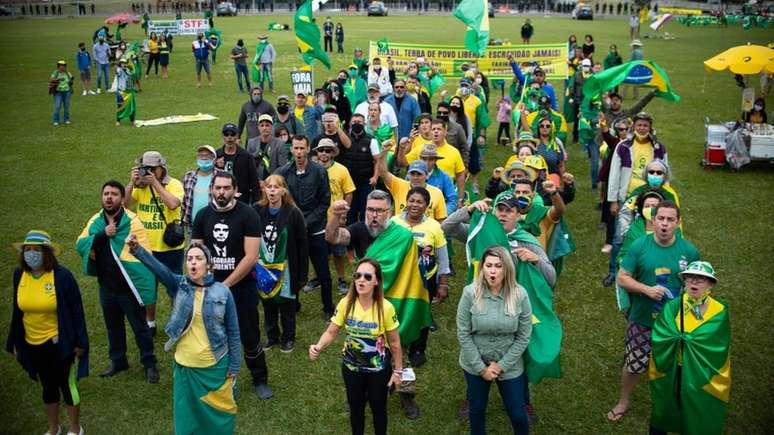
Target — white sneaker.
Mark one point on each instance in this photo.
(67, 122)
(98, 91)
(58, 432)
(92, 92)
(73, 433)
(55, 124)
(84, 92)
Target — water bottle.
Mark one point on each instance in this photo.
(662, 280)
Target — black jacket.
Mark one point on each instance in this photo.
(245, 173)
(297, 248)
(71, 323)
(310, 191)
(248, 116)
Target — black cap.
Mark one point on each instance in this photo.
(538, 69)
(506, 199)
(229, 127)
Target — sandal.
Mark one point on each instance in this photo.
(615, 417)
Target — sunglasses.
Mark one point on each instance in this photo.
(443, 112)
(622, 129)
(229, 134)
(325, 150)
(655, 172)
(365, 275)
(545, 125)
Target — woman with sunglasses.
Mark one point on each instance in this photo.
(48, 328)
(372, 360)
(282, 260)
(610, 140)
(494, 325)
(550, 147)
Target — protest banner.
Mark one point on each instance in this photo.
(302, 82)
(450, 59)
(179, 27)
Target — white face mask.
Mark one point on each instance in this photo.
(758, 107)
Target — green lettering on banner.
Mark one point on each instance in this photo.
(448, 59)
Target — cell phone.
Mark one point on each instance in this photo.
(414, 126)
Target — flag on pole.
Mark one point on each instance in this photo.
(636, 72)
(308, 36)
(383, 45)
(475, 15)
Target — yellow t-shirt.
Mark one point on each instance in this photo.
(470, 105)
(151, 219)
(37, 301)
(642, 154)
(366, 341)
(298, 112)
(153, 46)
(193, 349)
(451, 163)
(429, 237)
(400, 187)
(419, 142)
(341, 183)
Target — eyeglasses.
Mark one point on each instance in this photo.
(655, 172)
(545, 125)
(696, 278)
(375, 210)
(229, 134)
(325, 150)
(365, 275)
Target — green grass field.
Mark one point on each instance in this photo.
(52, 176)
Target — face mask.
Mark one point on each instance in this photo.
(205, 165)
(655, 180)
(758, 107)
(478, 80)
(256, 99)
(34, 259)
(411, 87)
(282, 109)
(523, 202)
(84, 49)
(377, 68)
(353, 73)
(357, 128)
(464, 91)
(342, 80)
(240, 44)
(443, 117)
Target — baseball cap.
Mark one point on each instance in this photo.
(417, 166)
(152, 159)
(537, 70)
(265, 117)
(586, 62)
(230, 127)
(465, 82)
(373, 87)
(283, 98)
(507, 199)
(207, 148)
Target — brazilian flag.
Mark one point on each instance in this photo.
(542, 356)
(636, 72)
(690, 369)
(308, 36)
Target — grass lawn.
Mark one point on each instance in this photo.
(52, 178)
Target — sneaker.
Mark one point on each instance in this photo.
(56, 124)
(58, 431)
(92, 92)
(474, 189)
(288, 346)
(311, 285)
(410, 406)
(67, 122)
(263, 391)
(269, 344)
(464, 410)
(84, 93)
(531, 416)
(343, 287)
(98, 91)
(80, 432)
(433, 326)
(152, 375)
(608, 280)
(607, 248)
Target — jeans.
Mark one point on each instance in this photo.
(266, 74)
(174, 261)
(241, 70)
(357, 208)
(103, 72)
(61, 102)
(318, 254)
(115, 307)
(246, 300)
(512, 393)
(593, 151)
(371, 388)
(280, 310)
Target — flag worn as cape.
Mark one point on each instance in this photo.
(308, 36)
(542, 355)
(140, 279)
(475, 15)
(271, 266)
(256, 70)
(127, 105)
(691, 398)
(432, 81)
(215, 37)
(636, 72)
(397, 253)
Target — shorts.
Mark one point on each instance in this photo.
(637, 348)
(86, 74)
(337, 250)
(202, 63)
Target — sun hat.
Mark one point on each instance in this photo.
(327, 143)
(207, 148)
(699, 268)
(430, 151)
(636, 43)
(152, 159)
(518, 165)
(526, 136)
(38, 238)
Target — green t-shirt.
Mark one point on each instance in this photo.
(63, 78)
(652, 264)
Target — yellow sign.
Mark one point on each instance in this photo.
(679, 11)
(450, 59)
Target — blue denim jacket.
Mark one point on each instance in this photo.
(218, 310)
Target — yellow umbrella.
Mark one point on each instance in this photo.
(744, 59)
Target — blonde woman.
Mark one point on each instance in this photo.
(494, 324)
(372, 336)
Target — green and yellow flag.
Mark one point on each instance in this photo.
(636, 72)
(475, 15)
(542, 356)
(398, 254)
(140, 279)
(308, 36)
(690, 398)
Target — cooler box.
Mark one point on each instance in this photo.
(715, 155)
(762, 146)
(716, 135)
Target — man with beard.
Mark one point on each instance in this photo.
(125, 285)
(359, 236)
(406, 107)
(252, 110)
(229, 228)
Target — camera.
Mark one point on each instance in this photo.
(144, 170)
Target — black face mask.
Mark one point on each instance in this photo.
(444, 117)
(282, 109)
(357, 129)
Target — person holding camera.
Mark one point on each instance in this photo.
(60, 85)
(158, 198)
